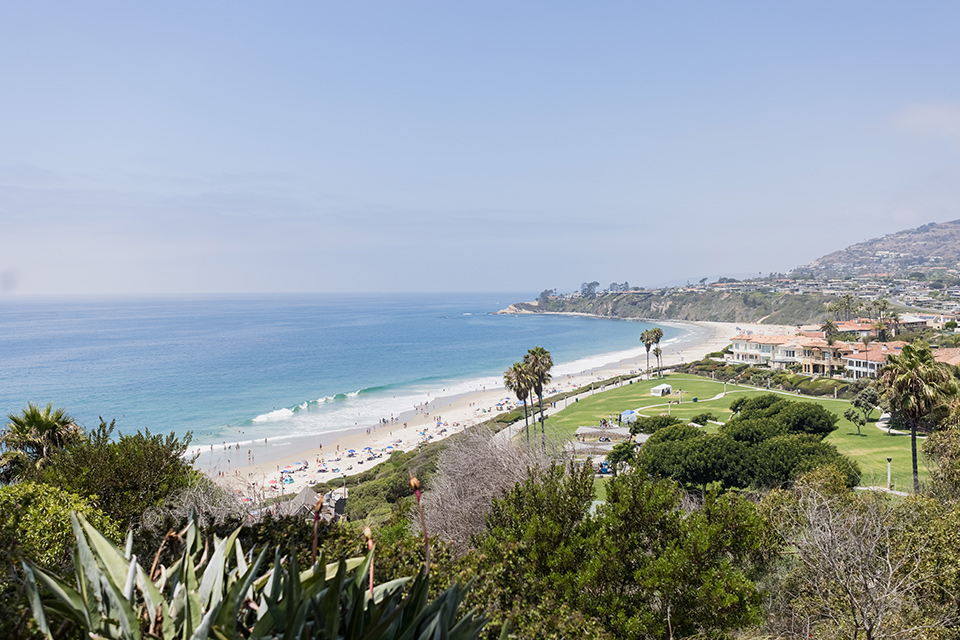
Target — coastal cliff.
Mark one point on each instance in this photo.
(714, 306)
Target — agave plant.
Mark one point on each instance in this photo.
(218, 595)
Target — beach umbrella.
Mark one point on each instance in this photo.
(273, 482)
(351, 450)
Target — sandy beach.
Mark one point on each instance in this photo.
(285, 465)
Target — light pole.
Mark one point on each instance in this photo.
(889, 460)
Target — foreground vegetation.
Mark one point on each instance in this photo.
(744, 527)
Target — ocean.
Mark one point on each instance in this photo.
(243, 368)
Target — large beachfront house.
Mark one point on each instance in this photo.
(814, 356)
(754, 350)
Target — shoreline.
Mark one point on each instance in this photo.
(258, 471)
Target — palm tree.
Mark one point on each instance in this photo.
(31, 437)
(882, 306)
(830, 331)
(894, 318)
(881, 329)
(866, 339)
(657, 334)
(540, 362)
(849, 305)
(518, 380)
(916, 384)
(647, 339)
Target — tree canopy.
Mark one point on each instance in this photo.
(129, 474)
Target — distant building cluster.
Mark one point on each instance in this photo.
(809, 351)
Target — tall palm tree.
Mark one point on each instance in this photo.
(540, 362)
(657, 334)
(830, 331)
(894, 317)
(882, 305)
(518, 379)
(31, 437)
(915, 385)
(849, 305)
(647, 339)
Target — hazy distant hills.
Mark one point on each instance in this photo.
(934, 246)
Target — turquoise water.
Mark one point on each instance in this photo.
(245, 368)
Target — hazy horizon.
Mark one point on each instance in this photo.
(224, 149)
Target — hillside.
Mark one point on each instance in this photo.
(673, 304)
(931, 247)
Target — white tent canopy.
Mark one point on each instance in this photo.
(661, 390)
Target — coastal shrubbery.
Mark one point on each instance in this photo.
(128, 474)
(768, 444)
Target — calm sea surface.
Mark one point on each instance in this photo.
(243, 368)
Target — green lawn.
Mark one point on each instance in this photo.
(870, 450)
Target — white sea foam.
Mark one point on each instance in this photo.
(273, 416)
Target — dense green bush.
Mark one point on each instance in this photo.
(796, 417)
(703, 418)
(35, 523)
(553, 570)
(768, 443)
(652, 424)
(129, 475)
(37, 517)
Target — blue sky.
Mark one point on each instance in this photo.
(155, 148)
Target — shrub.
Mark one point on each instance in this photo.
(653, 424)
(129, 475)
(37, 517)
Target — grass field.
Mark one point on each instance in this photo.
(870, 450)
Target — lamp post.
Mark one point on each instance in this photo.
(889, 460)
